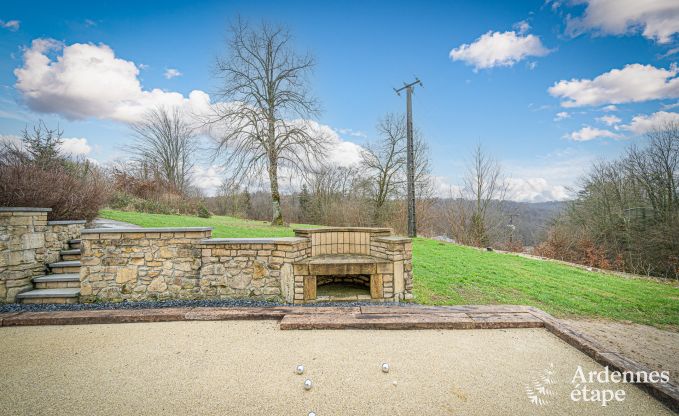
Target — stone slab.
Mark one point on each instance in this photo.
(505, 320)
(227, 314)
(375, 321)
(96, 317)
(62, 277)
(144, 230)
(24, 209)
(277, 240)
(6, 315)
(66, 222)
(66, 292)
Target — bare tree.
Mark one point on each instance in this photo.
(264, 125)
(478, 209)
(166, 143)
(385, 160)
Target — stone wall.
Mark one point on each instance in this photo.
(399, 251)
(185, 263)
(259, 268)
(141, 263)
(22, 249)
(27, 243)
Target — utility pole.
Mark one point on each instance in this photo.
(511, 227)
(410, 161)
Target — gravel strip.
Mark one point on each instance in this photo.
(225, 303)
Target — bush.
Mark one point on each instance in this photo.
(74, 193)
(203, 212)
(33, 173)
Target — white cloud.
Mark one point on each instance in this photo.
(172, 73)
(87, 80)
(10, 139)
(670, 106)
(609, 108)
(590, 133)
(609, 120)
(352, 133)
(209, 178)
(535, 190)
(641, 124)
(656, 19)
(498, 49)
(12, 25)
(633, 83)
(340, 152)
(547, 177)
(75, 146)
(561, 115)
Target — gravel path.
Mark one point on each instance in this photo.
(246, 368)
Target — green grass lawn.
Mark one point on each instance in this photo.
(448, 274)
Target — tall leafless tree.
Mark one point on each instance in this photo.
(385, 160)
(166, 143)
(478, 210)
(264, 125)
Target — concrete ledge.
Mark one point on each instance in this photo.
(144, 230)
(276, 240)
(66, 222)
(393, 239)
(342, 229)
(24, 209)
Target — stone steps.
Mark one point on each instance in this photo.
(70, 255)
(61, 295)
(57, 281)
(65, 267)
(75, 243)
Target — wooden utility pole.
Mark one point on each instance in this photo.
(511, 227)
(410, 162)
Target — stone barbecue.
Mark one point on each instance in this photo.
(341, 261)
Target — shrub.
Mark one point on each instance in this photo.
(34, 173)
(203, 212)
(71, 195)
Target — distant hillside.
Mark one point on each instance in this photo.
(533, 218)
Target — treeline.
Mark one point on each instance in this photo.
(626, 214)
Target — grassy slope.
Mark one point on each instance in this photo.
(447, 274)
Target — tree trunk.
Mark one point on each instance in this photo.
(277, 214)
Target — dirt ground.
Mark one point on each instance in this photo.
(247, 368)
(653, 347)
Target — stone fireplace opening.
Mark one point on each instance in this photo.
(348, 287)
(350, 264)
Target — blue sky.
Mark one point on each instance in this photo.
(533, 81)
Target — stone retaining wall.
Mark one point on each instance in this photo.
(141, 263)
(250, 268)
(185, 263)
(27, 243)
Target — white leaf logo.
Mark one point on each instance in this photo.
(537, 390)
